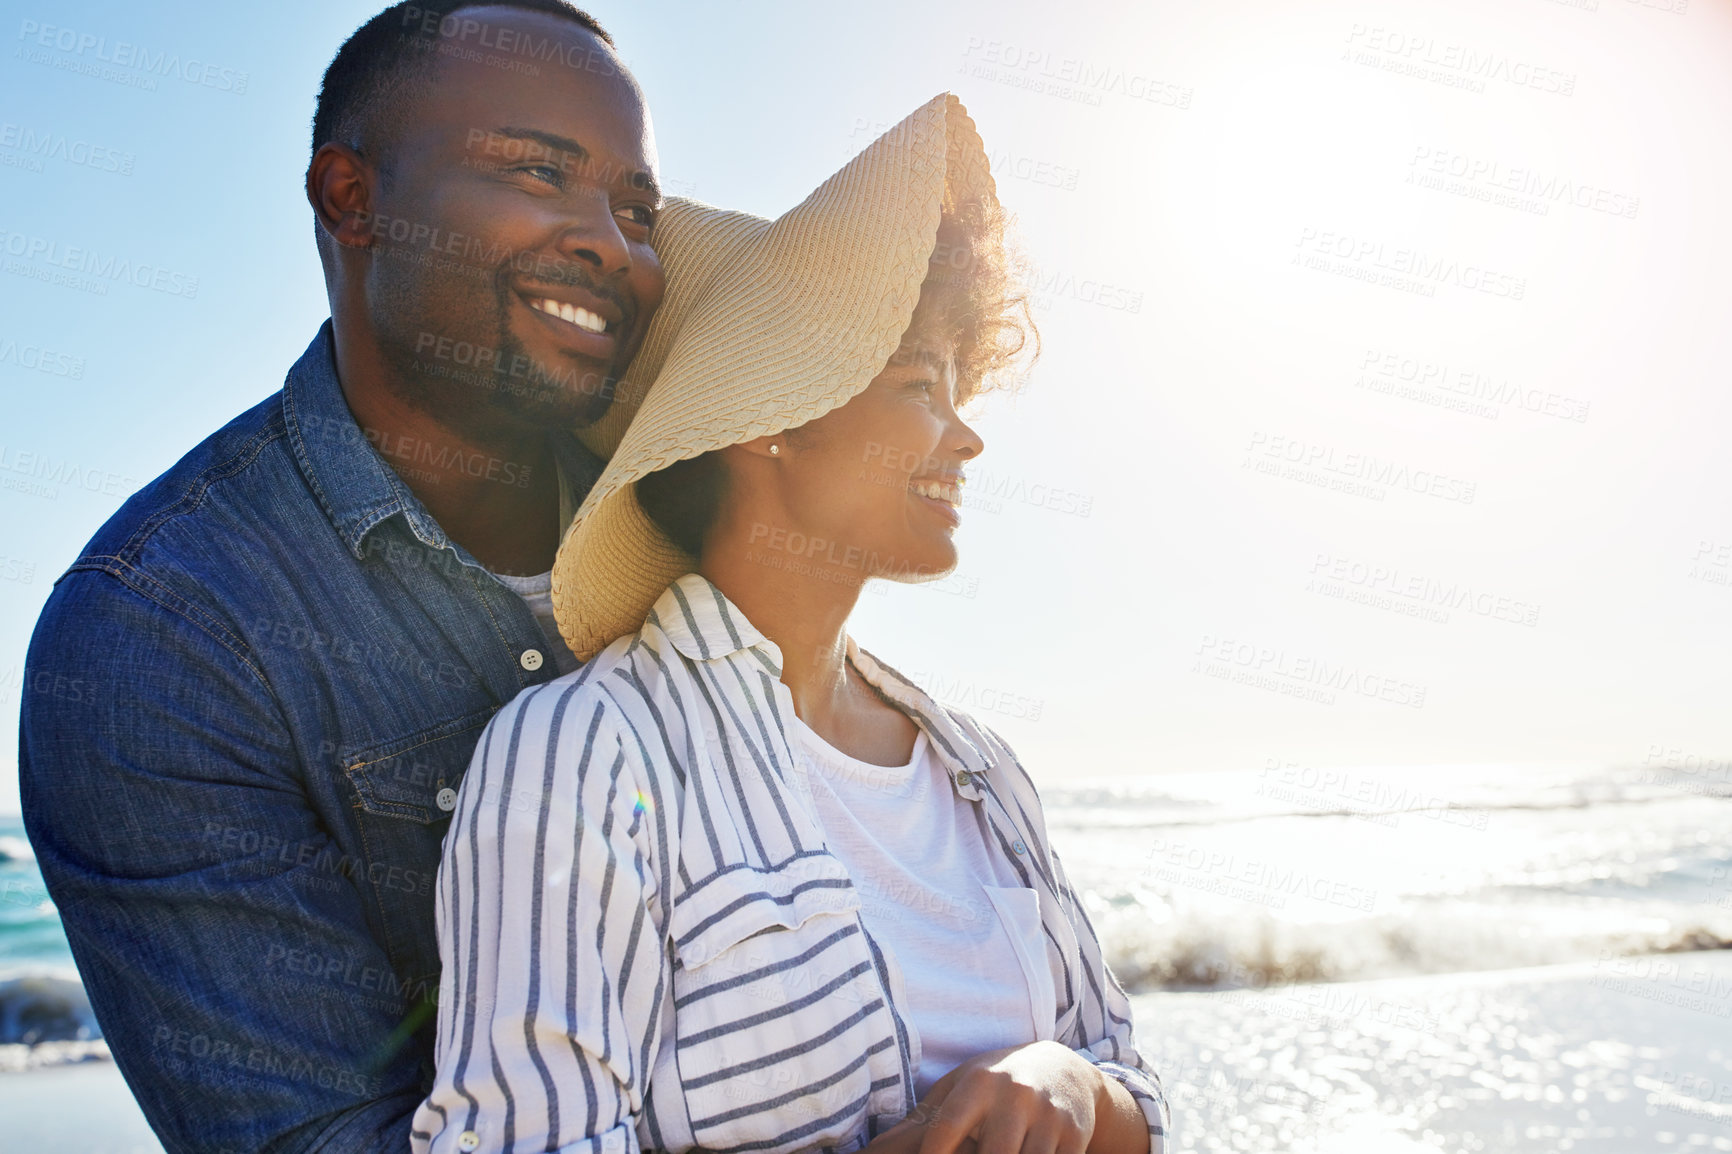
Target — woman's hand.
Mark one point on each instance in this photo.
(1039, 1098)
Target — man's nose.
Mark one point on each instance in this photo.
(593, 238)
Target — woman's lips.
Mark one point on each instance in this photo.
(942, 496)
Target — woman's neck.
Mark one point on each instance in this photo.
(804, 614)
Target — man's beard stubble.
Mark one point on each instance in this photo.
(462, 378)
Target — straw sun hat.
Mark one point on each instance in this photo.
(765, 325)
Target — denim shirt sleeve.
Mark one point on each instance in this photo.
(161, 792)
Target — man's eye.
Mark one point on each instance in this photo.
(640, 214)
(544, 172)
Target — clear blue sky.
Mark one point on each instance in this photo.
(1266, 237)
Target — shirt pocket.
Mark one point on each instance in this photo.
(783, 1037)
(405, 790)
(409, 777)
(1018, 910)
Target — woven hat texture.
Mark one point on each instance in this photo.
(765, 325)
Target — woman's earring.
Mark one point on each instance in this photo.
(775, 449)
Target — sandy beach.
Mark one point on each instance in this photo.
(78, 1109)
(1625, 1056)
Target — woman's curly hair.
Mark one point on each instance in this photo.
(973, 302)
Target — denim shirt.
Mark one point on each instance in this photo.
(248, 705)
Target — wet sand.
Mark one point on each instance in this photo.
(1624, 1056)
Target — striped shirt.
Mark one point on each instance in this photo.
(646, 944)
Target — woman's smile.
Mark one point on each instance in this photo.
(941, 494)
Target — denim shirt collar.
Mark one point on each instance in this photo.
(355, 486)
(703, 625)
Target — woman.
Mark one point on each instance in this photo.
(735, 885)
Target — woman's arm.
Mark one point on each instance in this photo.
(549, 933)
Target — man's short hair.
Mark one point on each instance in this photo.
(369, 78)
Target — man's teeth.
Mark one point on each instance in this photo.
(582, 318)
(938, 491)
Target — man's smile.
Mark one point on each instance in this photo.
(582, 321)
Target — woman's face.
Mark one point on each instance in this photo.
(874, 487)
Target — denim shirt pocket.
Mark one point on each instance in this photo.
(405, 789)
(406, 777)
(783, 1035)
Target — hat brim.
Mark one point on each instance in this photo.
(765, 325)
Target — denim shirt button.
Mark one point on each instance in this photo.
(531, 659)
(446, 799)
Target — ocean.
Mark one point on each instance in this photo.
(1271, 877)
(1293, 874)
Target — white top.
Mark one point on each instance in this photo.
(950, 917)
(537, 591)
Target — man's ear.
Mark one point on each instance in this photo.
(340, 184)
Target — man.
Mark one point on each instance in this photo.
(255, 692)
